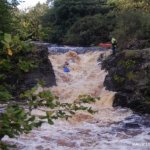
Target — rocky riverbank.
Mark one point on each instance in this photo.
(129, 76)
(43, 72)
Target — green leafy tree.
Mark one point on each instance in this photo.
(29, 22)
(64, 13)
(91, 30)
(131, 4)
(5, 16)
(133, 27)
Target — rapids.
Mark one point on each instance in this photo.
(109, 129)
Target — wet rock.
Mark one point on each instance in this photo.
(117, 129)
(146, 123)
(129, 76)
(131, 125)
(133, 132)
(39, 147)
(134, 117)
(44, 72)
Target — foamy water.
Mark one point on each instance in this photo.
(106, 130)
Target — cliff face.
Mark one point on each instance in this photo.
(129, 76)
(44, 72)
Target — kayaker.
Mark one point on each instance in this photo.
(65, 67)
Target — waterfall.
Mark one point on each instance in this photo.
(110, 128)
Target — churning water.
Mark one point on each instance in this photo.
(109, 129)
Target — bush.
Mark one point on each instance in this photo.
(133, 29)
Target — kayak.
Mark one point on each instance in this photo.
(66, 69)
(105, 45)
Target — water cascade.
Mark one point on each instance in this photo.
(109, 129)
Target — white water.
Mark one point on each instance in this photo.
(101, 131)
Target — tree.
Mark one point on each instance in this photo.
(64, 13)
(29, 23)
(5, 16)
(132, 4)
(133, 28)
(90, 30)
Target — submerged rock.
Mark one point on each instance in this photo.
(129, 75)
(132, 125)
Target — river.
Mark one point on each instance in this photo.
(109, 129)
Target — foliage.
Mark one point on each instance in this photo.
(118, 79)
(131, 4)
(64, 13)
(5, 16)
(17, 117)
(90, 30)
(127, 63)
(7, 9)
(55, 109)
(29, 22)
(16, 120)
(77, 22)
(15, 61)
(132, 26)
(131, 76)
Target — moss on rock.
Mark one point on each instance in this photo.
(129, 76)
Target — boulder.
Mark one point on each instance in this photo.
(43, 72)
(129, 76)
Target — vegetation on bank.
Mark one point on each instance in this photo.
(89, 22)
(75, 22)
(17, 104)
(16, 60)
(82, 22)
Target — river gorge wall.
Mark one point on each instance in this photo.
(43, 72)
(129, 76)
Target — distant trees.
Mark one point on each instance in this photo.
(90, 30)
(65, 13)
(5, 16)
(88, 22)
(143, 5)
(132, 23)
(133, 29)
(29, 23)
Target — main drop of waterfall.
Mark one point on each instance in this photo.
(109, 128)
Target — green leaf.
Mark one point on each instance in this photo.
(50, 121)
(7, 38)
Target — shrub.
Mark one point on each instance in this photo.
(133, 29)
